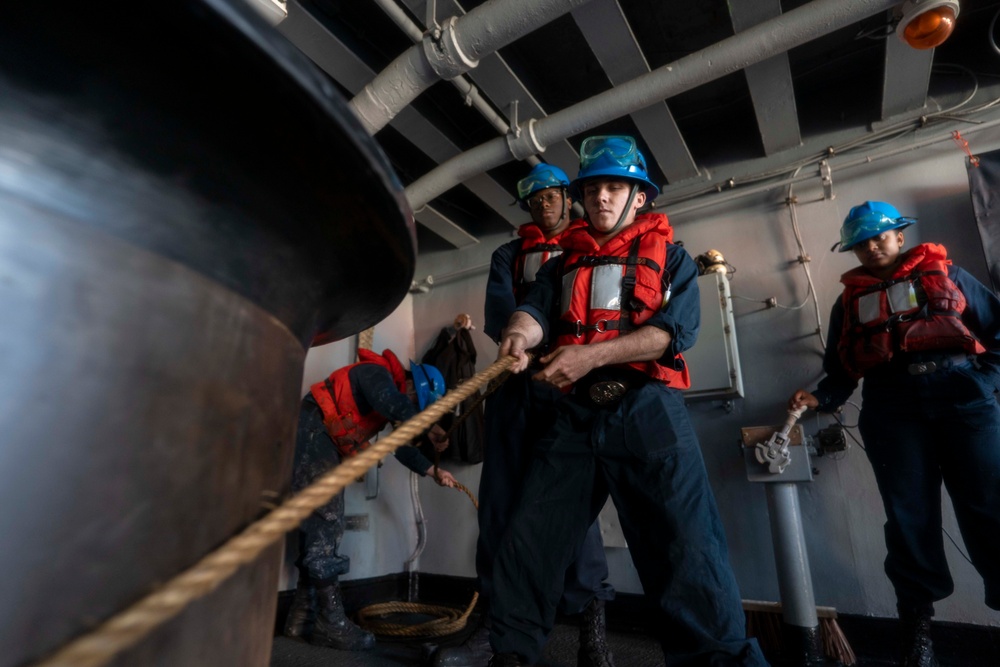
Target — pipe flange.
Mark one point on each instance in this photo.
(523, 143)
(445, 55)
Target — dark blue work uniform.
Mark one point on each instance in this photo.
(645, 454)
(920, 430)
(321, 532)
(517, 414)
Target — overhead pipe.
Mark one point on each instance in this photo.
(470, 93)
(453, 50)
(758, 43)
(689, 203)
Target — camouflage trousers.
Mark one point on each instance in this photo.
(320, 534)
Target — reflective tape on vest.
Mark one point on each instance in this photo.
(606, 287)
(900, 297)
(534, 260)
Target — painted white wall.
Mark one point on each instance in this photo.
(451, 517)
(392, 534)
(842, 510)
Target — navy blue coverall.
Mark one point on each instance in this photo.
(920, 430)
(645, 454)
(321, 532)
(517, 414)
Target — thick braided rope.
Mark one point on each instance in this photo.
(125, 629)
(449, 621)
(493, 386)
(366, 338)
(463, 487)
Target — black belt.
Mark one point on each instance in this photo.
(933, 364)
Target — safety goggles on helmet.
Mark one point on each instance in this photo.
(541, 177)
(868, 221)
(620, 149)
(613, 156)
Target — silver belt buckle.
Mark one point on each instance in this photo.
(922, 368)
(606, 392)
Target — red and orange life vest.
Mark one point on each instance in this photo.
(535, 250)
(918, 309)
(610, 290)
(350, 430)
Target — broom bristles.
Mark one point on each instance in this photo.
(764, 621)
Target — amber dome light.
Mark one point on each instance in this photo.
(927, 24)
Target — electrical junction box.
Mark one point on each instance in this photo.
(714, 360)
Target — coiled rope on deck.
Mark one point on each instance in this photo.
(126, 628)
(450, 620)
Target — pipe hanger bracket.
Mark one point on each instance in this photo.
(445, 54)
(523, 144)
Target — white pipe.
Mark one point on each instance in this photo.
(273, 11)
(750, 46)
(470, 93)
(457, 49)
(705, 200)
(424, 286)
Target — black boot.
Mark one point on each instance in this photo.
(507, 660)
(475, 651)
(333, 629)
(302, 614)
(917, 648)
(594, 651)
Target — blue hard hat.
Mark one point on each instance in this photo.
(542, 176)
(869, 220)
(428, 382)
(616, 157)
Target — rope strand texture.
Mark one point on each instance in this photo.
(125, 629)
(449, 621)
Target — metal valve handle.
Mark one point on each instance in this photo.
(774, 452)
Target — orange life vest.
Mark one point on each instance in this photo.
(535, 250)
(918, 309)
(610, 290)
(350, 430)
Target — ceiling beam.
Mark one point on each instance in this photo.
(445, 228)
(332, 56)
(906, 79)
(770, 81)
(758, 43)
(610, 37)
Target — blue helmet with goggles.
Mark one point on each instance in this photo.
(868, 221)
(428, 383)
(541, 177)
(613, 157)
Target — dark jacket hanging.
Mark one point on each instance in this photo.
(454, 354)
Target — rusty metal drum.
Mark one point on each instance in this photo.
(186, 205)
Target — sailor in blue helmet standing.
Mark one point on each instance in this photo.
(925, 336)
(617, 308)
(518, 413)
(337, 419)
